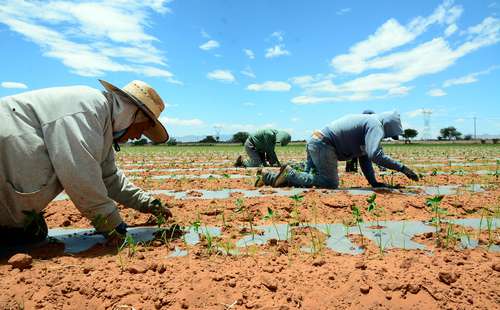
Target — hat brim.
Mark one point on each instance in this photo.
(158, 133)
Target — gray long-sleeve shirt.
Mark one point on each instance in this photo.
(360, 135)
(61, 138)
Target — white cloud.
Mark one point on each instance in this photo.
(279, 47)
(210, 44)
(295, 119)
(250, 54)
(390, 72)
(204, 34)
(392, 35)
(221, 75)
(469, 78)
(276, 51)
(451, 29)
(90, 38)
(278, 35)
(418, 112)
(343, 11)
(168, 121)
(436, 92)
(270, 86)
(248, 72)
(13, 85)
(248, 104)
(233, 127)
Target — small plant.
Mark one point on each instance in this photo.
(435, 204)
(358, 219)
(375, 210)
(197, 223)
(210, 241)
(248, 215)
(270, 216)
(130, 244)
(489, 227)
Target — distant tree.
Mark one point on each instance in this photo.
(450, 133)
(142, 141)
(172, 141)
(409, 134)
(240, 137)
(208, 139)
(468, 137)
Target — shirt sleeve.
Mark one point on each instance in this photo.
(120, 188)
(375, 152)
(271, 156)
(367, 168)
(74, 144)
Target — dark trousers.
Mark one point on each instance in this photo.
(35, 230)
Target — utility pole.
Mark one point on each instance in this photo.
(475, 133)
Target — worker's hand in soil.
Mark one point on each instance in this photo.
(409, 173)
(157, 208)
(116, 237)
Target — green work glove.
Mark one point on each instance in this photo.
(157, 208)
(409, 173)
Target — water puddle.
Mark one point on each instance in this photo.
(200, 176)
(385, 234)
(229, 193)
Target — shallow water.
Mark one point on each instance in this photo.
(227, 193)
(389, 235)
(200, 176)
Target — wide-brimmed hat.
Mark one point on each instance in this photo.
(148, 101)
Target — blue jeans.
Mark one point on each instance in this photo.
(321, 168)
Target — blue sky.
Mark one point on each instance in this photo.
(242, 65)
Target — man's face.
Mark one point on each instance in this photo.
(135, 131)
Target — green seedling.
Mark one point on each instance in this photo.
(451, 235)
(210, 241)
(130, 244)
(435, 204)
(270, 216)
(489, 227)
(376, 211)
(248, 215)
(497, 169)
(358, 219)
(434, 172)
(197, 223)
(226, 176)
(228, 247)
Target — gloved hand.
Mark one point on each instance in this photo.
(157, 208)
(116, 236)
(409, 173)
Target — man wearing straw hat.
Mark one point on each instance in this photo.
(62, 138)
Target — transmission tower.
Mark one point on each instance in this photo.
(426, 134)
(217, 129)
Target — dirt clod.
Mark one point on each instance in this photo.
(496, 267)
(318, 262)
(447, 277)
(21, 261)
(269, 283)
(364, 288)
(360, 265)
(136, 269)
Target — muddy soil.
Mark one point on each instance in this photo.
(277, 274)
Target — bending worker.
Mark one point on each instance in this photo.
(260, 147)
(352, 136)
(62, 138)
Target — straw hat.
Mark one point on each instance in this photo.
(148, 101)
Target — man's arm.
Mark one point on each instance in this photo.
(120, 188)
(74, 144)
(367, 168)
(374, 150)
